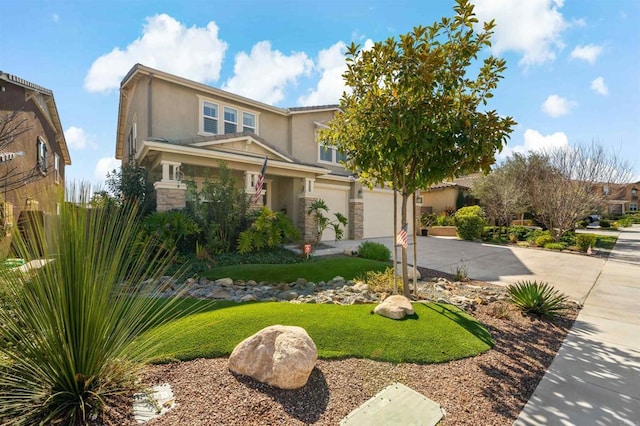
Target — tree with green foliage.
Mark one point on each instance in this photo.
(220, 208)
(318, 209)
(131, 183)
(413, 116)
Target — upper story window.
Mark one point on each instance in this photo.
(329, 154)
(56, 166)
(131, 142)
(248, 122)
(606, 189)
(217, 118)
(230, 120)
(210, 117)
(42, 155)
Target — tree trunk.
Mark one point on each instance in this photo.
(405, 280)
(395, 233)
(415, 249)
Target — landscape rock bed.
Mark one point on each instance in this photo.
(335, 291)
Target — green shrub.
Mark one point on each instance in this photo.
(544, 239)
(625, 222)
(605, 223)
(537, 298)
(268, 230)
(584, 241)
(374, 251)
(521, 233)
(555, 246)
(172, 229)
(443, 219)
(470, 222)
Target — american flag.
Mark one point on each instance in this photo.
(260, 181)
(402, 239)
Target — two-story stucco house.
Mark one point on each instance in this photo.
(33, 150)
(179, 129)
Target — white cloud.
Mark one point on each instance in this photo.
(531, 27)
(263, 74)
(556, 106)
(195, 53)
(78, 139)
(331, 62)
(599, 87)
(535, 141)
(104, 166)
(587, 53)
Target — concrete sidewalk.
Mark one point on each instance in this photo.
(595, 377)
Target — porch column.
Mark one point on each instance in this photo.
(356, 219)
(306, 223)
(170, 191)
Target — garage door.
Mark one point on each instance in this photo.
(378, 213)
(337, 199)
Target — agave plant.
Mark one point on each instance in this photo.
(537, 298)
(73, 339)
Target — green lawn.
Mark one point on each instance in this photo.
(605, 241)
(319, 270)
(437, 333)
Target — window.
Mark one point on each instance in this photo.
(131, 142)
(633, 207)
(56, 166)
(248, 122)
(230, 120)
(210, 117)
(606, 190)
(42, 155)
(329, 154)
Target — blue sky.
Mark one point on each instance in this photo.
(573, 66)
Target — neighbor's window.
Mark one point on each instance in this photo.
(230, 120)
(210, 117)
(42, 155)
(633, 207)
(56, 166)
(248, 122)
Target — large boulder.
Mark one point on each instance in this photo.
(395, 307)
(280, 356)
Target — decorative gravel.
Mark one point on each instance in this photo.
(491, 388)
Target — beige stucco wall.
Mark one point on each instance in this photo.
(136, 114)
(439, 200)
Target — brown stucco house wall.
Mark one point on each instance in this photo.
(33, 150)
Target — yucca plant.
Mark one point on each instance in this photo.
(72, 340)
(537, 298)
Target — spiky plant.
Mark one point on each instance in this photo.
(537, 298)
(73, 340)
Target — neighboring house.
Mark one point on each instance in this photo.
(181, 130)
(620, 198)
(444, 195)
(33, 150)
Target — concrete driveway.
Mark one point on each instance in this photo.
(572, 274)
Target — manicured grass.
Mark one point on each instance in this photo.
(436, 333)
(606, 241)
(319, 270)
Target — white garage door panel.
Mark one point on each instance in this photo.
(337, 199)
(378, 213)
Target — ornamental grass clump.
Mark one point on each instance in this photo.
(537, 298)
(72, 341)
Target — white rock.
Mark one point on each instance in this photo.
(409, 273)
(224, 282)
(281, 356)
(395, 307)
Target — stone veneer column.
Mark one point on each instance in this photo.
(356, 219)
(170, 195)
(306, 223)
